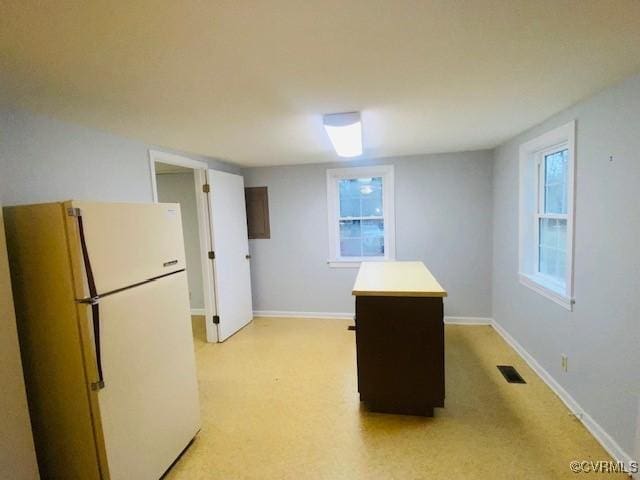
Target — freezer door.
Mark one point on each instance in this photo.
(129, 243)
(149, 404)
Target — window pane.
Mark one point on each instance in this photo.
(373, 246)
(372, 228)
(371, 195)
(552, 247)
(555, 181)
(372, 206)
(349, 198)
(350, 229)
(350, 238)
(548, 233)
(373, 238)
(548, 261)
(351, 247)
(553, 233)
(361, 198)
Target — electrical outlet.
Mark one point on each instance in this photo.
(565, 363)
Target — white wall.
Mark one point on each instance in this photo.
(180, 188)
(43, 160)
(602, 335)
(17, 453)
(443, 217)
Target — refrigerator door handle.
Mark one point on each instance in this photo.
(95, 313)
(95, 307)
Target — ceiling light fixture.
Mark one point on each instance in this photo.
(345, 132)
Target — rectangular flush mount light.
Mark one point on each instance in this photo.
(345, 132)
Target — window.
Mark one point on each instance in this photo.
(546, 214)
(360, 207)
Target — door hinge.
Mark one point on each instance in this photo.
(216, 319)
(212, 255)
(206, 188)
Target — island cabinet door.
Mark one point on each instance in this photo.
(400, 350)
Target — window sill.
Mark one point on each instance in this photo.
(546, 290)
(340, 264)
(355, 263)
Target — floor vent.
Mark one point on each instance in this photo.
(510, 374)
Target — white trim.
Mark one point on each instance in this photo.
(608, 443)
(333, 208)
(199, 178)
(345, 315)
(549, 293)
(175, 159)
(531, 153)
(206, 245)
(355, 263)
(171, 159)
(467, 320)
(339, 264)
(198, 311)
(287, 314)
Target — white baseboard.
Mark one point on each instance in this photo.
(608, 443)
(198, 311)
(467, 320)
(287, 314)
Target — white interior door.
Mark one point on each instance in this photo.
(231, 246)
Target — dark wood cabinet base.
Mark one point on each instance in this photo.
(378, 406)
(400, 352)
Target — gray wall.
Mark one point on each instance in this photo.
(602, 335)
(43, 159)
(180, 188)
(443, 217)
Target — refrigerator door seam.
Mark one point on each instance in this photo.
(94, 299)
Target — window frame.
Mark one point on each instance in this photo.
(531, 209)
(334, 175)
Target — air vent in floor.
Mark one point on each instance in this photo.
(510, 374)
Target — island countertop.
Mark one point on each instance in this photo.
(396, 279)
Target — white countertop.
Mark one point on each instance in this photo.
(396, 279)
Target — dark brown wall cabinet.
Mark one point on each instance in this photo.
(257, 200)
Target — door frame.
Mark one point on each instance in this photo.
(204, 227)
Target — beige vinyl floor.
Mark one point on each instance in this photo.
(279, 401)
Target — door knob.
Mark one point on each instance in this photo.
(248, 257)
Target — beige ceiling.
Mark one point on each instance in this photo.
(247, 81)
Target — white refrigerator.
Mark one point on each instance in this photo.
(104, 323)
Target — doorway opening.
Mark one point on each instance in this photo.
(177, 179)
